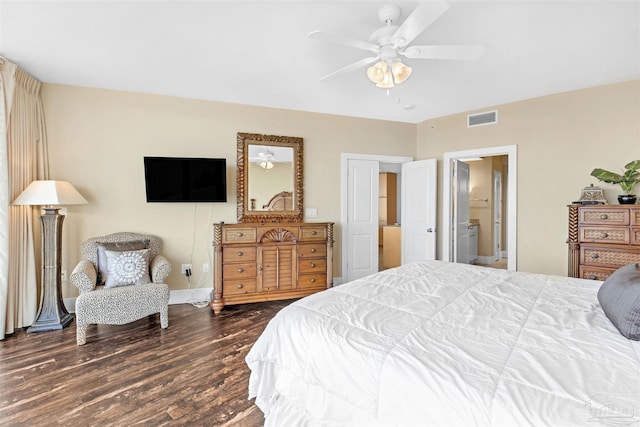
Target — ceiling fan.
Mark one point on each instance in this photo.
(262, 156)
(391, 42)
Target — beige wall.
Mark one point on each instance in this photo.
(97, 139)
(559, 139)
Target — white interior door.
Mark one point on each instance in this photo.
(362, 218)
(418, 210)
(497, 214)
(461, 213)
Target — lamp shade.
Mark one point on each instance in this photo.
(376, 72)
(49, 193)
(400, 71)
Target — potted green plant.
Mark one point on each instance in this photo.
(627, 181)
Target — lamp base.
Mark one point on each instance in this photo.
(52, 314)
(42, 325)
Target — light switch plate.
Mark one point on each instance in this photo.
(311, 212)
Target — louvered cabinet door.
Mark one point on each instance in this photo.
(277, 268)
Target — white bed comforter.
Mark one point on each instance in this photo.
(442, 344)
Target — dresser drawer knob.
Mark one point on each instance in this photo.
(314, 232)
(604, 235)
(593, 277)
(313, 280)
(313, 250)
(239, 234)
(604, 216)
(240, 270)
(240, 254)
(312, 265)
(240, 286)
(595, 256)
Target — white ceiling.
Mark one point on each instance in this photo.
(258, 53)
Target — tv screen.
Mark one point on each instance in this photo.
(182, 179)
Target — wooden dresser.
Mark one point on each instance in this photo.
(270, 261)
(602, 238)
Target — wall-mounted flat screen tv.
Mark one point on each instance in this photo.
(185, 179)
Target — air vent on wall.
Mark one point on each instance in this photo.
(481, 119)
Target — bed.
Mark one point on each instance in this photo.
(442, 344)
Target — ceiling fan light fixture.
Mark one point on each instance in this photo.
(400, 72)
(376, 72)
(387, 76)
(387, 81)
(266, 164)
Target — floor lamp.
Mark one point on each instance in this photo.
(52, 313)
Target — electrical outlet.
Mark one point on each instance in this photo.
(185, 268)
(205, 267)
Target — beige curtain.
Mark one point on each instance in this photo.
(24, 159)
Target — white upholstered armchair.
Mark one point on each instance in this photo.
(121, 279)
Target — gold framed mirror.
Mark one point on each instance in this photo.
(269, 178)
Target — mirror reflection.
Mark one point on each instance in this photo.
(270, 178)
(270, 187)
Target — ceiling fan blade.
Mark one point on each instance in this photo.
(468, 52)
(346, 41)
(362, 63)
(422, 16)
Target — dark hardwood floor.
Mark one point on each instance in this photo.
(192, 373)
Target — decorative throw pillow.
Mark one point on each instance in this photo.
(619, 297)
(127, 268)
(115, 246)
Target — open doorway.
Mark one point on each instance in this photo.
(360, 211)
(497, 238)
(487, 210)
(389, 198)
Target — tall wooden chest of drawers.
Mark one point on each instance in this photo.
(602, 238)
(271, 261)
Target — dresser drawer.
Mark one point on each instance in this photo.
(595, 273)
(313, 266)
(607, 256)
(239, 235)
(239, 286)
(317, 232)
(635, 216)
(312, 250)
(238, 254)
(619, 235)
(635, 235)
(239, 271)
(613, 216)
(306, 281)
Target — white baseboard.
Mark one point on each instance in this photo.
(188, 296)
(70, 304)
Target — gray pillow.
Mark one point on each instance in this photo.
(619, 297)
(127, 268)
(133, 245)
